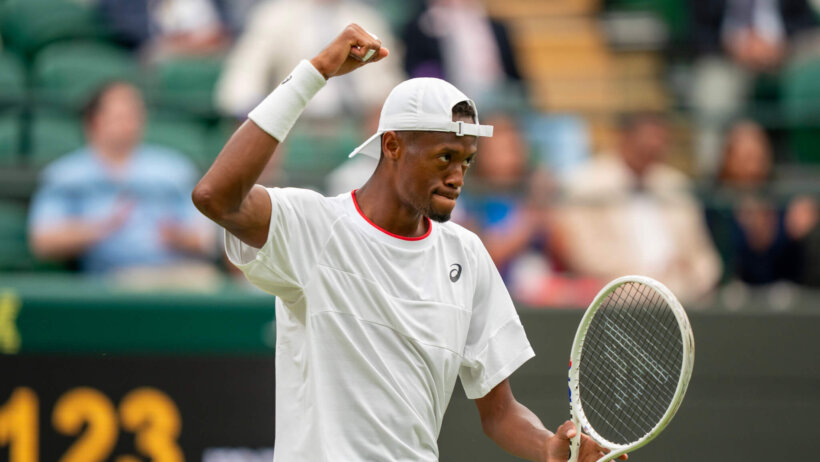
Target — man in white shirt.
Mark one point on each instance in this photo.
(381, 304)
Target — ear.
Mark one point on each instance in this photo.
(392, 145)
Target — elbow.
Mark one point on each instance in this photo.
(206, 202)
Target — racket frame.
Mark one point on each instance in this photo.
(687, 359)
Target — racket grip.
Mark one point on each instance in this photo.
(575, 444)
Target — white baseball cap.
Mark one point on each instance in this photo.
(422, 104)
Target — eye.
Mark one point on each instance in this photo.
(468, 161)
(444, 158)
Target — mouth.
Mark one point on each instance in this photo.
(447, 195)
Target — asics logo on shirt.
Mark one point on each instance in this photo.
(455, 273)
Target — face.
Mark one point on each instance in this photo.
(431, 168)
(503, 156)
(748, 157)
(119, 119)
(644, 144)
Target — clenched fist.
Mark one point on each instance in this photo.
(347, 51)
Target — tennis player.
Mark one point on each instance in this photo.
(381, 303)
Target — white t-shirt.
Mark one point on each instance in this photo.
(373, 329)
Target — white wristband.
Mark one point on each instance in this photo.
(277, 113)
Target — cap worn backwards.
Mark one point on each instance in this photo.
(422, 104)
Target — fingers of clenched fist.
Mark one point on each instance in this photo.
(353, 48)
(559, 446)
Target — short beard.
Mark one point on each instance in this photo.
(428, 212)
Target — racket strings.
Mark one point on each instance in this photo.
(630, 363)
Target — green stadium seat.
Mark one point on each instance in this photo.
(28, 25)
(218, 135)
(183, 134)
(52, 135)
(673, 13)
(68, 73)
(312, 152)
(801, 104)
(14, 253)
(11, 129)
(186, 83)
(12, 80)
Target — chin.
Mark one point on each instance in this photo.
(439, 214)
(439, 217)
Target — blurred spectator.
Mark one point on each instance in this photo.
(762, 239)
(162, 29)
(736, 41)
(508, 204)
(237, 13)
(629, 213)
(116, 205)
(456, 41)
(280, 33)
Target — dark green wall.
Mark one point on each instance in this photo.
(754, 394)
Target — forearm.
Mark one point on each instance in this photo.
(67, 240)
(518, 431)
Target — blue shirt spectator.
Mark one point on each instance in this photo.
(152, 194)
(117, 204)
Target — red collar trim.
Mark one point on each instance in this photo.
(404, 238)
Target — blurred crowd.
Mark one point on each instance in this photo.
(116, 151)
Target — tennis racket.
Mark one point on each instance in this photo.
(630, 364)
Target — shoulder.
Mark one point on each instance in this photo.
(300, 199)
(297, 195)
(165, 161)
(165, 155)
(454, 234)
(74, 166)
(605, 173)
(665, 177)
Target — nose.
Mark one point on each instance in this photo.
(455, 177)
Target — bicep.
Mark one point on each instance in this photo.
(495, 403)
(251, 223)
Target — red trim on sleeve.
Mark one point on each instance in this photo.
(404, 238)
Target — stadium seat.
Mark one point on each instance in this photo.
(183, 134)
(311, 151)
(218, 135)
(66, 74)
(186, 83)
(12, 80)
(28, 25)
(10, 138)
(14, 253)
(801, 100)
(672, 12)
(52, 135)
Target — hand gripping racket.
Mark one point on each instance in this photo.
(630, 365)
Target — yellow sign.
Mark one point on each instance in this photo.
(9, 335)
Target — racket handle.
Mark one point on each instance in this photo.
(575, 444)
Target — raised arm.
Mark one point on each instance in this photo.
(518, 431)
(227, 194)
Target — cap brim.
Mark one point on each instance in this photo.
(371, 148)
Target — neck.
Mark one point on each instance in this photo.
(112, 154)
(380, 203)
